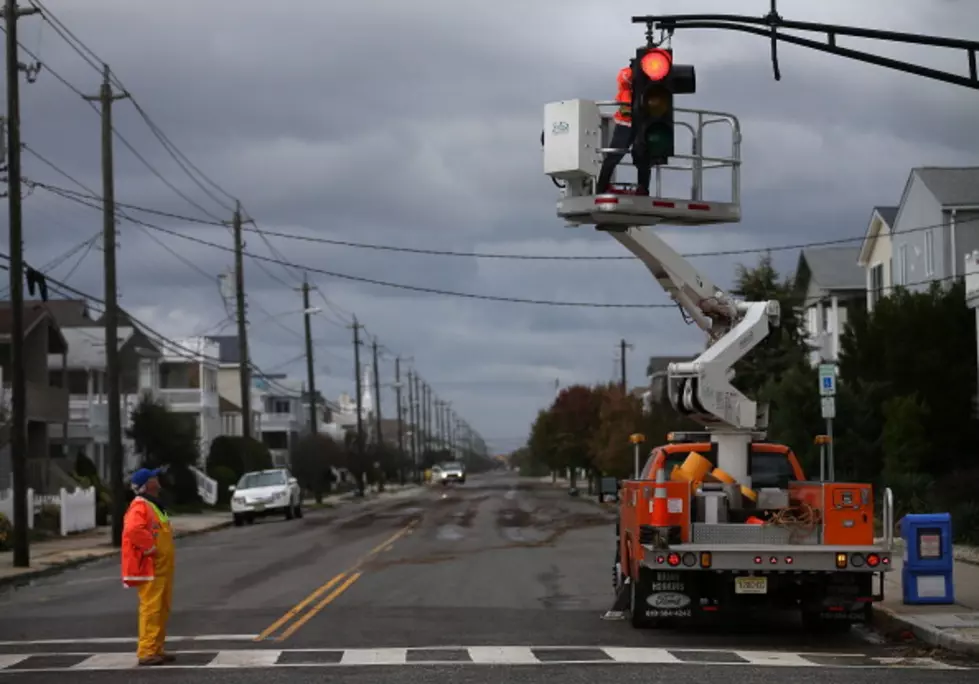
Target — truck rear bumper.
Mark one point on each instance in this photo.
(764, 559)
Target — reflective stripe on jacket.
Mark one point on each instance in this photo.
(623, 115)
(140, 529)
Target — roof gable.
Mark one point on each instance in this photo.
(951, 186)
(833, 268)
(881, 219)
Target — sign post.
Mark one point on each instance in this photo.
(827, 394)
(636, 440)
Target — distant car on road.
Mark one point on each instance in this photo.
(266, 492)
(449, 472)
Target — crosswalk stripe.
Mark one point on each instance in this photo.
(251, 658)
(108, 661)
(375, 656)
(641, 655)
(11, 659)
(774, 658)
(502, 654)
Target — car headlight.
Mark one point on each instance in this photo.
(240, 500)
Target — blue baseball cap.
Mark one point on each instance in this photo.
(144, 475)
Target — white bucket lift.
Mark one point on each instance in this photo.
(576, 139)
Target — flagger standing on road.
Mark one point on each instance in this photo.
(148, 564)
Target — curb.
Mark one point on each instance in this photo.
(887, 621)
(47, 571)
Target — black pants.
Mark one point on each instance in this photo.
(622, 139)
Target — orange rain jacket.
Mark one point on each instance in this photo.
(623, 115)
(139, 532)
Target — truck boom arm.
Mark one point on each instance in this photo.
(702, 388)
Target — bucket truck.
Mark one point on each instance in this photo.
(720, 521)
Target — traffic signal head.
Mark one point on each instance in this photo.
(655, 80)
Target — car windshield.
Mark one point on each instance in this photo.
(269, 479)
(452, 466)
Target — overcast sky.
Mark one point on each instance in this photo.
(416, 124)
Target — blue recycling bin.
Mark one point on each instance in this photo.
(928, 559)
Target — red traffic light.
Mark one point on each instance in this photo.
(656, 64)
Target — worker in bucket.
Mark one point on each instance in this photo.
(148, 564)
(623, 137)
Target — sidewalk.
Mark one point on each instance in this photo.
(49, 557)
(955, 627)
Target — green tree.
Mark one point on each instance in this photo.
(313, 458)
(785, 347)
(923, 344)
(163, 437)
(576, 413)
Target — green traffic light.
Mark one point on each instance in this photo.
(659, 140)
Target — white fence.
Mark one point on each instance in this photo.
(7, 506)
(76, 509)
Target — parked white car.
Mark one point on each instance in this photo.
(266, 492)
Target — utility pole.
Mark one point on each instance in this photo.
(18, 387)
(244, 365)
(623, 345)
(359, 470)
(105, 98)
(401, 424)
(310, 375)
(429, 417)
(413, 423)
(377, 396)
(416, 429)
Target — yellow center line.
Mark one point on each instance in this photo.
(302, 605)
(295, 610)
(316, 609)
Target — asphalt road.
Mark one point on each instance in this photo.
(498, 572)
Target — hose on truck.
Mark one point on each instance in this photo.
(801, 519)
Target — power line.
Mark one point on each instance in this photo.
(497, 255)
(99, 304)
(430, 290)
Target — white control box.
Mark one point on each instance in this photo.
(572, 139)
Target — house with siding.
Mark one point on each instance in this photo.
(876, 254)
(936, 226)
(831, 284)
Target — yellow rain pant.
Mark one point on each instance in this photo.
(155, 597)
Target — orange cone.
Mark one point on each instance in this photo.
(661, 515)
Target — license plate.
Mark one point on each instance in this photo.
(751, 585)
(259, 507)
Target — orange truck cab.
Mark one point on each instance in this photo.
(719, 548)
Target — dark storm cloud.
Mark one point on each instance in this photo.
(417, 124)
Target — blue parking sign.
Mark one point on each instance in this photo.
(827, 379)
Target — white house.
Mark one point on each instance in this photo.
(876, 256)
(88, 416)
(283, 419)
(189, 386)
(936, 225)
(831, 282)
(229, 389)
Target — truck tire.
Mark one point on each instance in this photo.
(637, 603)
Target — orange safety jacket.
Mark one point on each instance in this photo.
(140, 528)
(623, 115)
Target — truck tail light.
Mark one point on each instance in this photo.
(705, 559)
(873, 560)
(673, 559)
(841, 560)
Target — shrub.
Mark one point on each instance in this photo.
(6, 533)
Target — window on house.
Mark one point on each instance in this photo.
(876, 283)
(929, 253)
(902, 265)
(824, 323)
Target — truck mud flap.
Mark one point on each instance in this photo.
(664, 597)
